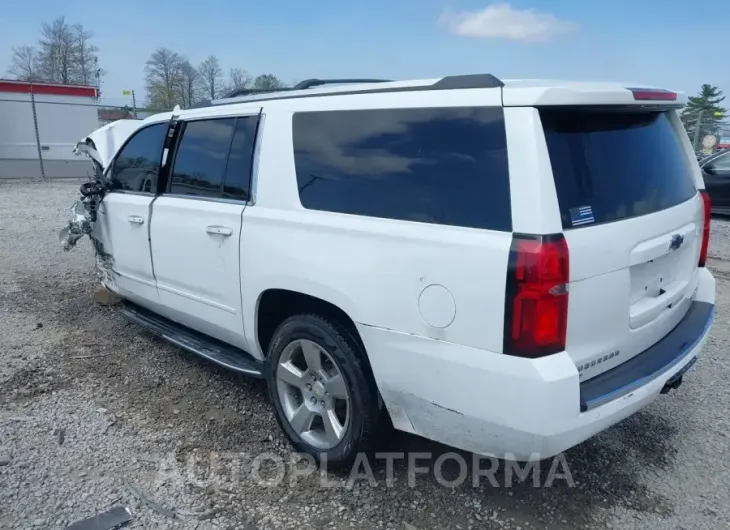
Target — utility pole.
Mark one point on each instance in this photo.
(696, 139)
(97, 76)
(37, 133)
(134, 101)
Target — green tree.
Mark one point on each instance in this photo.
(267, 82)
(705, 107)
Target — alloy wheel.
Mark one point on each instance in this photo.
(313, 394)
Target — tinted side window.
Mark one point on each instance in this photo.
(437, 165)
(137, 166)
(240, 160)
(200, 159)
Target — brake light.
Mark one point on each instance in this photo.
(536, 302)
(653, 94)
(705, 227)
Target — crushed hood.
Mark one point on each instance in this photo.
(103, 143)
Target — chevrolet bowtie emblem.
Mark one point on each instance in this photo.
(676, 242)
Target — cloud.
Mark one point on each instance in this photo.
(501, 21)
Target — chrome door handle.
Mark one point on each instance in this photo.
(136, 219)
(219, 230)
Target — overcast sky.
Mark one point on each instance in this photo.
(673, 43)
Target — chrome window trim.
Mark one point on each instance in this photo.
(206, 199)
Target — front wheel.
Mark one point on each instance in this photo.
(321, 388)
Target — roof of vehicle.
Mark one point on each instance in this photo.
(515, 92)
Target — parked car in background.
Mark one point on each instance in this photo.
(494, 265)
(716, 174)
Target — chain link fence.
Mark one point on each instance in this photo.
(38, 134)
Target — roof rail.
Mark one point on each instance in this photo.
(453, 82)
(253, 92)
(309, 83)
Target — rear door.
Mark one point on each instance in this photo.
(632, 218)
(196, 227)
(124, 215)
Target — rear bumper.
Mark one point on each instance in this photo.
(674, 348)
(521, 409)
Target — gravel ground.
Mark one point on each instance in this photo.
(95, 413)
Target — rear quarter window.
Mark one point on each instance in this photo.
(611, 165)
(432, 165)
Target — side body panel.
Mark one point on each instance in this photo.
(383, 273)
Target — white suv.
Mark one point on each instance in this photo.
(504, 267)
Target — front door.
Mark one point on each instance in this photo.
(123, 220)
(196, 226)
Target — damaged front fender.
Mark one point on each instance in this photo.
(79, 225)
(83, 214)
(100, 147)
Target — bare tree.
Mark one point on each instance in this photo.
(163, 72)
(237, 78)
(64, 54)
(188, 84)
(24, 64)
(57, 52)
(211, 77)
(86, 57)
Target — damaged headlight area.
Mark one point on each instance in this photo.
(83, 214)
(79, 225)
(100, 148)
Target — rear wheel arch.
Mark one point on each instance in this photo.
(276, 305)
(284, 317)
(322, 391)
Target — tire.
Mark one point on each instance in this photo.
(358, 428)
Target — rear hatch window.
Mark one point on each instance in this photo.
(614, 165)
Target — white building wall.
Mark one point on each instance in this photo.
(62, 121)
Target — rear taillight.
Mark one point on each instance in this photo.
(536, 302)
(653, 94)
(705, 227)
